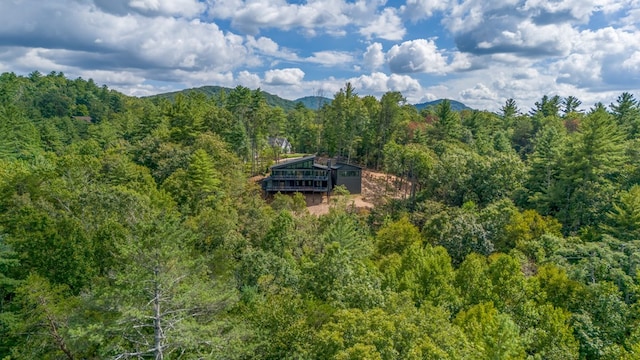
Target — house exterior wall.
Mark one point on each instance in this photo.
(304, 175)
(351, 179)
(301, 175)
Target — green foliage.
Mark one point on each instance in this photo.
(161, 287)
(285, 325)
(624, 217)
(402, 333)
(586, 184)
(296, 203)
(19, 137)
(626, 111)
(448, 127)
(342, 280)
(427, 274)
(396, 237)
(129, 228)
(509, 109)
(525, 231)
(460, 232)
(47, 311)
(547, 332)
(493, 335)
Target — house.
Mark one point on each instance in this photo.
(281, 143)
(348, 175)
(305, 175)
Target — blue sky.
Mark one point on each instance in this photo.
(476, 51)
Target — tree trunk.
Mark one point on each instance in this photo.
(157, 317)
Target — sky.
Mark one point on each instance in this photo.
(479, 52)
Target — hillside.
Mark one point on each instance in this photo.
(272, 100)
(311, 102)
(130, 229)
(455, 105)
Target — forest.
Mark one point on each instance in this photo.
(130, 228)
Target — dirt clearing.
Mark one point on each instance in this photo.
(376, 189)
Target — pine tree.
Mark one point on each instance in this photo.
(626, 111)
(448, 127)
(588, 178)
(162, 299)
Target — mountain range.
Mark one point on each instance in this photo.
(311, 102)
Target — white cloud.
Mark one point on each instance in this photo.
(601, 58)
(251, 16)
(263, 44)
(525, 74)
(403, 83)
(632, 17)
(128, 41)
(266, 46)
(550, 39)
(373, 58)
(579, 10)
(311, 18)
(468, 15)
(330, 58)
(247, 79)
(607, 40)
(578, 69)
(204, 77)
(423, 9)
(376, 82)
(291, 76)
(479, 92)
(141, 89)
(113, 78)
(188, 8)
(461, 62)
(223, 9)
(38, 58)
(504, 48)
(379, 83)
(170, 42)
(632, 64)
(416, 56)
(387, 26)
(530, 28)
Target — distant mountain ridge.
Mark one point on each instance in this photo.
(455, 105)
(311, 102)
(212, 90)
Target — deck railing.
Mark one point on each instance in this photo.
(276, 188)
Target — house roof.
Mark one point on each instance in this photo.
(293, 161)
(345, 166)
(278, 141)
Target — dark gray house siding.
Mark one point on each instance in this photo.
(348, 175)
(300, 175)
(305, 175)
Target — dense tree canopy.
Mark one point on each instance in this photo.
(131, 228)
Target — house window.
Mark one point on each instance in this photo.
(349, 173)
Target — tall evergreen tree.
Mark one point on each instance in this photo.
(509, 109)
(589, 174)
(544, 164)
(547, 106)
(570, 104)
(626, 111)
(448, 127)
(161, 298)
